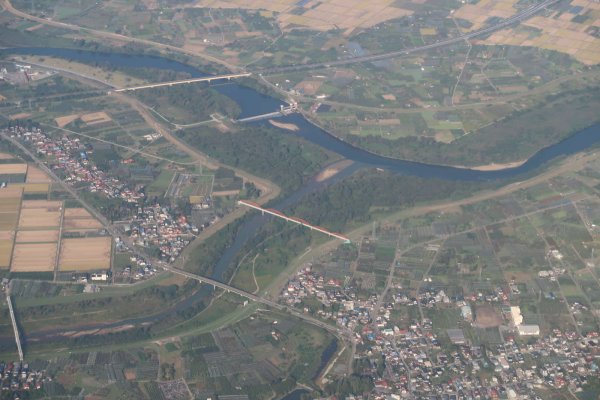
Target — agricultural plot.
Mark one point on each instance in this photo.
(34, 257)
(6, 247)
(570, 29)
(321, 15)
(85, 254)
(10, 204)
(47, 236)
(37, 214)
(79, 219)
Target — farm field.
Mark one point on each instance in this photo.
(321, 15)
(40, 214)
(34, 257)
(37, 236)
(85, 254)
(79, 219)
(570, 29)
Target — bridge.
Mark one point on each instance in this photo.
(283, 111)
(298, 221)
(14, 324)
(181, 82)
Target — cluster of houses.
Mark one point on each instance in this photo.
(16, 376)
(71, 156)
(156, 225)
(152, 226)
(423, 362)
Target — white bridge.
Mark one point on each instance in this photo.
(283, 111)
(181, 82)
(293, 219)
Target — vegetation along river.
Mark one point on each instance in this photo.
(252, 103)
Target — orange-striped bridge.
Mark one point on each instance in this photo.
(295, 220)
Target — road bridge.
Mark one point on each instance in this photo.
(283, 111)
(14, 324)
(298, 221)
(182, 82)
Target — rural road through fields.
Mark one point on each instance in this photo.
(517, 18)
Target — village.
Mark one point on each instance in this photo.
(424, 360)
(150, 223)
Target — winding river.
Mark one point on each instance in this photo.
(253, 103)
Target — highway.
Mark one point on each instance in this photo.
(181, 82)
(519, 17)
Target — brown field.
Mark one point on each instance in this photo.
(321, 14)
(37, 236)
(33, 187)
(20, 116)
(81, 223)
(49, 204)
(6, 246)
(10, 192)
(36, 175)
(8, 221)
(85, 254)
(99, 117)
(65, 120)
(309, 87)
(77, 213)
(487, 317)
(6, 156)
(13, 169)
(39, 217)
(10, 204)
(37, 257)
(555, 31)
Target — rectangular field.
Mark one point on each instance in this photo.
(8, 220)
(81, 224)
(85, 254)
(36, 175)
(39, 218)
(13, 169)
(37, 236)
(33, 187)
(77, 213)
(5, 252)
(38, 257)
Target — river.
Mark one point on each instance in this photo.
(253, 103)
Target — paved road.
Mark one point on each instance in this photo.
(519, 17)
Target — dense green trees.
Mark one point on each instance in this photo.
(281, 158)
(352, 200)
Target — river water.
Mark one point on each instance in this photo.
(253, 103)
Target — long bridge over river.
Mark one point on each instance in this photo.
(295, 220)
(182, 82)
